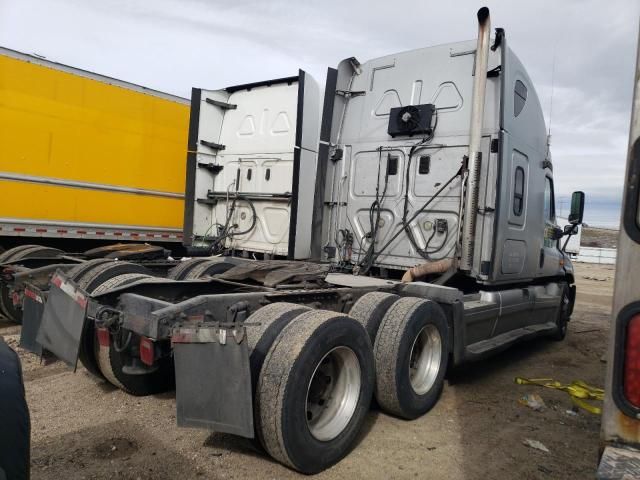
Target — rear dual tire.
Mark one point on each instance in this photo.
(411, 357)
(314, 389)
(370, 309)
(89, 276)
(112, 359)
(201, 267)
(410, 338)
(107, 362)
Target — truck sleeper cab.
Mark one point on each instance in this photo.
(291, 352)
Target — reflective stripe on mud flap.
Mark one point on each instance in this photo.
(63, 320)
(213, 379)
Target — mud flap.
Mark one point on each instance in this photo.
(32, 311)
(63, 320)
(213, 379)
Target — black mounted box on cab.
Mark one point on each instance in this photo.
(411, 120)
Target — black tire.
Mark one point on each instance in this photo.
(16, 254)
(160, 380)
(103, 272)
(403, 325)
(271, 319)
(564, 313)
(87, 345)
(14, 417)
(111, 361)
(88, 278)
(211, 267)
(183, 268)
(77, 272)
(288, 369)
(370, 309)
(7, 255)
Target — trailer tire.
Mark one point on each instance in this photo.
(111, 361)
(402, 390)
(103, 272)
(317, 349)
(370, 309)
(88, 278)
(27, 251)
(211, 267)
(7, 254)
(77, 272)
(15, 254)
(183, 268)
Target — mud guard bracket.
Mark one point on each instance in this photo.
(63, 320)
(213, 378)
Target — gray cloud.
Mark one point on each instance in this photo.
(173, 45)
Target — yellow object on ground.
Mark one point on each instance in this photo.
(78, 148)
(579, 391)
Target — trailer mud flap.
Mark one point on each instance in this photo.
(213, 379)
(32, 311)
(63, 320)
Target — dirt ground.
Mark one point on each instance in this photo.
(599, 237)
(82, 429)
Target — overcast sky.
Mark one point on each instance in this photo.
(172, 45)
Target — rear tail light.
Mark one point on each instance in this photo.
(147, 351)
(104, 338)
(625, 387)
(631, 369)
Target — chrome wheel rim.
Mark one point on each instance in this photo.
(424, 363)
(332, 393)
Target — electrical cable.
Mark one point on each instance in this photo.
(371, 255)
(418, 212)
(375, 210)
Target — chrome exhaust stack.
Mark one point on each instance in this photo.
(475, 134)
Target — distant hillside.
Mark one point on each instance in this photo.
(599, 237)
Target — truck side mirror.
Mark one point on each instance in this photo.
(556, 233)
(577, 208)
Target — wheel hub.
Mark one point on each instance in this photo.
(332, 393)
(424, 363)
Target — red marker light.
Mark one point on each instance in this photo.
(147, 351)
(631, 373)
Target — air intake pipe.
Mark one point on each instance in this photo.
(475, 134)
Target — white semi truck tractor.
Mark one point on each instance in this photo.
(361, 247)
(620, 431)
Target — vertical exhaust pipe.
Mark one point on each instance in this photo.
(475, 133)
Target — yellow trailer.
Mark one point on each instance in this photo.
(87, 156)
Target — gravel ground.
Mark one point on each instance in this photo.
(599, 237)
(85, 429)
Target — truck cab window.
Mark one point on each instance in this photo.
(549, 201)
(518, 192)
(519, 97)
